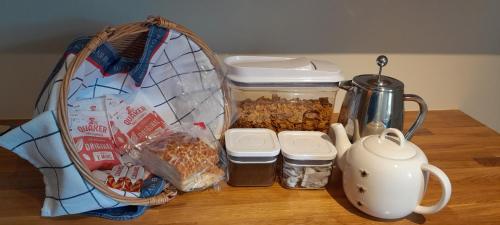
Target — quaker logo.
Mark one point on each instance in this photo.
(92, 121)
(93, 108)
(93, 126)
(132, 113)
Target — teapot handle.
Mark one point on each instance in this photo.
(446, 193)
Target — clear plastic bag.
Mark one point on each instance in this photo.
(185, 155)
(202, 106)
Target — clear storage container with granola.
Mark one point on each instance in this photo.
(282, 93)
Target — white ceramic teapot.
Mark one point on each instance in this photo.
(385, 177)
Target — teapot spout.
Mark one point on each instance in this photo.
(342, 143)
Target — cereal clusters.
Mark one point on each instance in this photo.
(189, 163)
(281, 114)
(190, 155)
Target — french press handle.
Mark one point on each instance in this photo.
(421, 116)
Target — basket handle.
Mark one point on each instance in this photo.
(160, 21)
(112, 34)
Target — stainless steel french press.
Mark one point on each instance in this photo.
(374, 102)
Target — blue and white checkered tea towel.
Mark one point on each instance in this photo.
(172, 67)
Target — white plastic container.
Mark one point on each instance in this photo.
(307, 159)
(281, 93)
(252, 154)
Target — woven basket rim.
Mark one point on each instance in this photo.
(114, 34)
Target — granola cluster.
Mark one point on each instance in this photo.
(281, 114)
(190, 155)
(185, 161)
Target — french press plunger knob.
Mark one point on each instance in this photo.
(382, 60)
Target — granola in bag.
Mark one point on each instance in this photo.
(183, 157)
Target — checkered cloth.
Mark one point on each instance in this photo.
(174, 73)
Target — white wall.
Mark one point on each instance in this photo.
(466, 82)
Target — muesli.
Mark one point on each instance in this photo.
(280, 114)
(183, 157)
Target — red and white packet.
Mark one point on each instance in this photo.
(116, 179)
(131, 119)
(123, 178)
(92, 136)
(95, 104)
(134, 179)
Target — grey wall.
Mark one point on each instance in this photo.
(447, 51)
(264, 26)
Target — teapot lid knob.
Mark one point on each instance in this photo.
(390, 146)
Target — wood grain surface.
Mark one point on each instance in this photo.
(467, 151)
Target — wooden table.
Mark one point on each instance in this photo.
(466, 150)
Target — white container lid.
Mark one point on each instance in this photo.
(306, 145)
(265, 69)
(252, 142)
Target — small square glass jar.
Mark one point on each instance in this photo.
(252, 154)
(308, 157)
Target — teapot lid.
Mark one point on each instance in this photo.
(387, 147)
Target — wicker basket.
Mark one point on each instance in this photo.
(129, 40)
